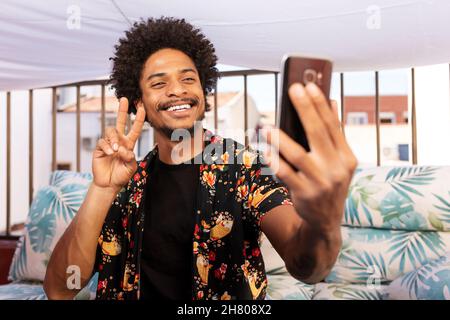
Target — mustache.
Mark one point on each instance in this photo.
(166, 105)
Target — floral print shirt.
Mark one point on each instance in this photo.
(232, 198)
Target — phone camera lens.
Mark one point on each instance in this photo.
(309, 75)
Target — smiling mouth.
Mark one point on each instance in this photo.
(179, 108)
(183, 105)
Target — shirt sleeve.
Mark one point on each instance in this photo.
(266, 192)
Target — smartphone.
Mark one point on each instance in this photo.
(294, 69)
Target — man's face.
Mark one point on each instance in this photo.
(171, 91)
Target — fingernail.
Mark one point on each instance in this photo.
(312, 88)
(298, 89)
(115, 147)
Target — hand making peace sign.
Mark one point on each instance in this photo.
(114, 161)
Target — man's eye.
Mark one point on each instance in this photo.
(189, 79)
(157, 84)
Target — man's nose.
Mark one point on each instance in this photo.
(176, 89)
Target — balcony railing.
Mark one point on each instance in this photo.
(103, 83)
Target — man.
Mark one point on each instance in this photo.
(165, 229)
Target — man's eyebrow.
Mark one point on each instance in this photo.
(156, 75)
(162, 74)
(188, 70)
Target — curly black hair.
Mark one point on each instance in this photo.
(145, 38)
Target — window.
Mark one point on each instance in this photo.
(357, 118)
(405, 117)
(89, 143)
(64, 166)
(110, 121)
(403, 149)
(387, 117)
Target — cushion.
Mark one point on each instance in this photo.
(25, 290)
(328, 291)
(429, 282)
(280, 284)
(371, 255)
(22, 291)
(89, 292)
(285, 287)
(400, 198)
(51, 211)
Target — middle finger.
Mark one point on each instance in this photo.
(315, 129)
(136, 129)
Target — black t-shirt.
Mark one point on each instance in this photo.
(169, 223)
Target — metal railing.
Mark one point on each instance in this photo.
(103, 83)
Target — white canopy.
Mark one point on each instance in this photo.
(43, 43)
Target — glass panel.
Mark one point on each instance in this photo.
(359, 115)
(3, 163)
(230, 108)
(261, 90)
(91, 103)
(433, 114)
(19, 157)
(66, 142)
(395, 132)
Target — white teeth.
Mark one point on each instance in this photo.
(180, 107)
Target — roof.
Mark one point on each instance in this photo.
(223, 98)
(60, 42)
(93, 104)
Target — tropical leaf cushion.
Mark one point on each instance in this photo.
(429, 282)
(400, 198)
(333, 291)
(389, 229)
(285, 287)
(371, 255)
(280, 284)
(22, 291)
(51, 211)
(25, 290)
(90, 290)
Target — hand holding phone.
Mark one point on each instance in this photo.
(302, 70)
(313, 158)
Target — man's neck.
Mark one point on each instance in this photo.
(174, 152)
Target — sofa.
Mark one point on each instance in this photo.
(395, 229)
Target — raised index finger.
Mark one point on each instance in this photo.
(136, 129)
(122, 115)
